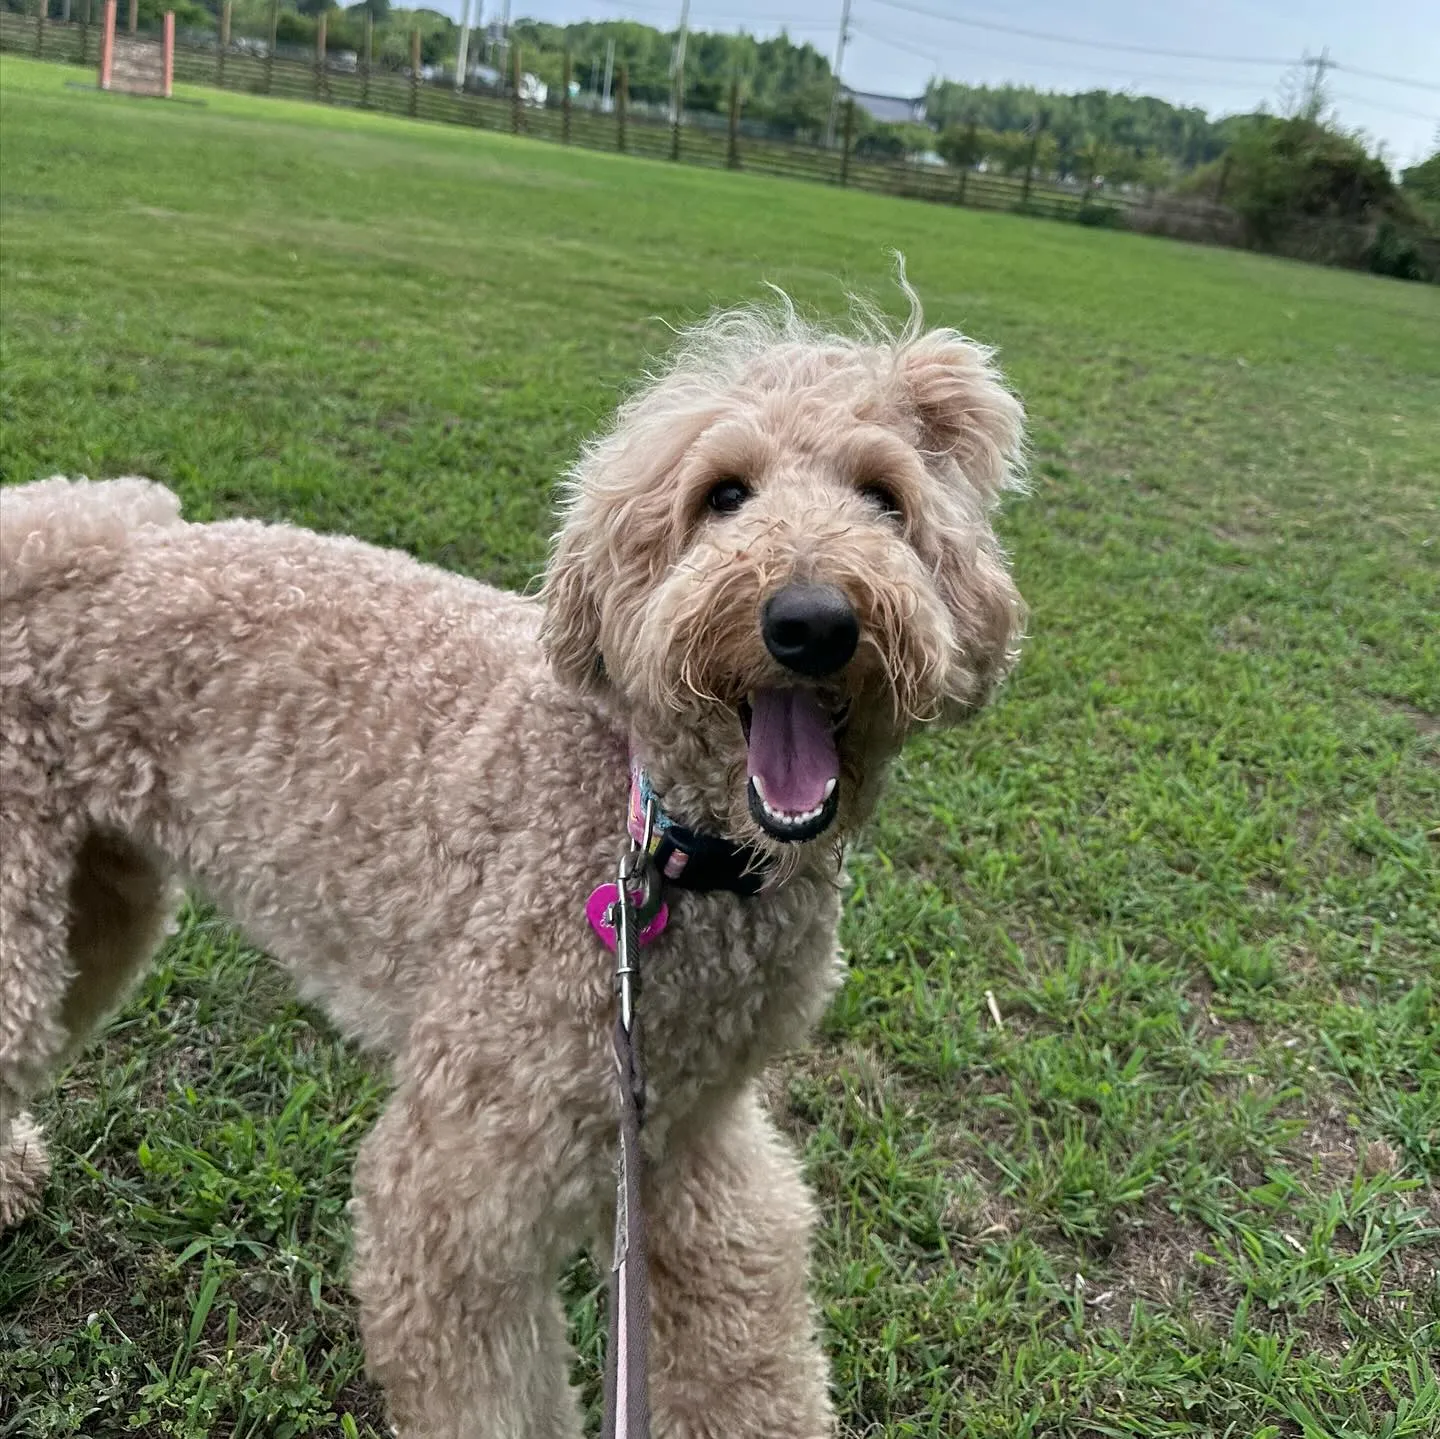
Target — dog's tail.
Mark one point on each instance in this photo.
(55, 529)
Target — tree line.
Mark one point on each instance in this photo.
(1278, 173)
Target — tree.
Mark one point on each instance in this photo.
(1184, 137)
(1009, 150)
(886, 142)
(803, 111)
(1282, 170)
(962, 145)
(1422, 182)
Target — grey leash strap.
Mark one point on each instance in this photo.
(627, 1368)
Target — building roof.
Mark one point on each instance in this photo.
(891, 109)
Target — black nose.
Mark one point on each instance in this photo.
(810, 629)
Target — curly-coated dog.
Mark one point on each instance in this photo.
(404, 785)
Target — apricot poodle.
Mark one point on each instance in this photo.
(774, 566)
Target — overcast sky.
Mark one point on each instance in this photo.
(896, 50)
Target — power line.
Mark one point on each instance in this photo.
(995, 25)
(930, 55)
(626, 7)
(1434, 119)
(1068, 66)
(1375, 75)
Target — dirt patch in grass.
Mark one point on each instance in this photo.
(1154, 1262)
(1327, 1151)
(1427, 725)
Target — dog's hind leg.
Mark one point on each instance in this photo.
(35, 860)
(121, 905)
(736, 1352)
(77, 922)
(457, 1254)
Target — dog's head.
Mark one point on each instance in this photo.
(779, 562)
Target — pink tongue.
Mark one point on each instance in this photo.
(792, 749)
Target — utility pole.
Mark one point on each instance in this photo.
(609, 71)
(841, 41)
(462, 58)
(504, 39)
(677, 88)
(1313, 99)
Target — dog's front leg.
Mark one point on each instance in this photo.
(736, 1352)
(460, 1226)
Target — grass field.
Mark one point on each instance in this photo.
(1192, 1184)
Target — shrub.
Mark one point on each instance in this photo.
(1398, 252)
(1098, 213)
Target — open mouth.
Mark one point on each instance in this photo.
(793, 762)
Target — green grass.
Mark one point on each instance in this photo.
(1192, 1185)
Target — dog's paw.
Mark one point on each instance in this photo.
(24, 1168)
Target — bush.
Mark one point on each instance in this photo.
(1302, 189)
(1398, 253)
(1098, 213)
(1423, 180)
(1281, 170)
(292, 28)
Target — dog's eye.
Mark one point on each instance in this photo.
(883, 498)
(728, 495)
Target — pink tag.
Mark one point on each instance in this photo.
(597, 911)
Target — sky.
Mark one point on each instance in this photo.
(896, 46)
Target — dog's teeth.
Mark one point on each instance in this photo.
(830, 787)
(791, 819)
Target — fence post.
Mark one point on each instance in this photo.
(414, 73)
(41, 6)
(622, 104)
(107, 44)
(969, 160)
(1038, 126)
(225, 11)
(270, 48)
(321, 87)
(565, 101)
(517, 105)
(732, 149)
(369, 57)
(849, 135)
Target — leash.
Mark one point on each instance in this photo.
(626, 915)
(636, 913)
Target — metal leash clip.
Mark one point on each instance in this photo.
(640, 895)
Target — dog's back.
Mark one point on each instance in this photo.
(56, 529)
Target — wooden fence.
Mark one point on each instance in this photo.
(365, 83)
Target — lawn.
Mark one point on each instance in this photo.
(1188, 1182)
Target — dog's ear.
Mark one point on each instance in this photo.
(963, 410)
(987, 617)
(570, 630)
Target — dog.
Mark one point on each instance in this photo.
(775, 565)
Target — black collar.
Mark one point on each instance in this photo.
(689, 858)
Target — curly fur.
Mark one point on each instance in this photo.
(403, 784)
